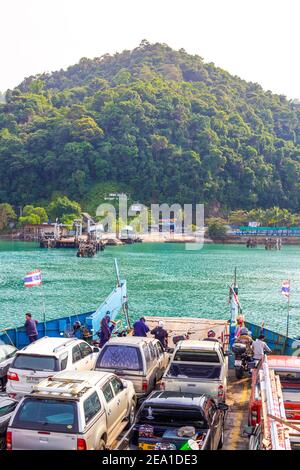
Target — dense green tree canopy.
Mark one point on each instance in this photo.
(161, 123)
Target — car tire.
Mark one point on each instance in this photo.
(102, 445)
(2, 443)
(221, 442)
(131, 414)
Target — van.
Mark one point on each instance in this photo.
(138, 359)
(44, 358)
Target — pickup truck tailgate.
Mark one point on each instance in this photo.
(24, 439)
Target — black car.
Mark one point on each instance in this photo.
(177, 419)
(7, 407)
(7, 353)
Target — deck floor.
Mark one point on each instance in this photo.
(238, 394)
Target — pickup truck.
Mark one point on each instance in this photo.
(197, 367)
(175, 419)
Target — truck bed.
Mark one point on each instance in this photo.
(196, 328)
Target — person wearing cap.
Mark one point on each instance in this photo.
(260, 348)
(140, 328)
(161, 334)
(211, 336)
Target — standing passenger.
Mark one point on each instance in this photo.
(259, 348)
(105, 330)
(140, 328)
(161, 334)
(30, 326)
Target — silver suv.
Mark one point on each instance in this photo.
(44, 358)
(73, 411)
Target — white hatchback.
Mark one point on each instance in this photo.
(44, 358)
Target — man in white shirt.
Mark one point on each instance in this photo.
(259, 348)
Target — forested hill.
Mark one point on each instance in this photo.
(160, 124)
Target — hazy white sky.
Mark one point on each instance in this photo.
(255, 39)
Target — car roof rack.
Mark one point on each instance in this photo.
(63, 345)
(62, 388)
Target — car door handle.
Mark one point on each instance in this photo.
(118, 402)
(109, 412)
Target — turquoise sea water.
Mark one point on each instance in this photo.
(163, 279)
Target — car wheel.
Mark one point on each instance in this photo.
(221, 442)
(131, 414)
(102, 445)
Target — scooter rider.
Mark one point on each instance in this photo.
(246, 339)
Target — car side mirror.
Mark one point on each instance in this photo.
(96, 350)
(125, 385)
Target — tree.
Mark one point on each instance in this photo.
(40, 212)
(63, 206)
(7, 215)
(217, 229)
(32, 219)
(238, 217)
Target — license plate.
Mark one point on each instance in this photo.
(33, 380)
(238, 363)
(144, 446)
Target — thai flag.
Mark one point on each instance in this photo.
(33, 279)
(285, 288)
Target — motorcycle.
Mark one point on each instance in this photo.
(243, 362)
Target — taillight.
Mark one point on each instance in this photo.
(81, 444)
(162, 386)
(9, 440)
(12, 376)
(220, 391)
(145, 386)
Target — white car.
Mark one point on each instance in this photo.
(198, 367)
(44, 358)
(73, 411)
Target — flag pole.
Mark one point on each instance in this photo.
(288, 312)
(44, 307)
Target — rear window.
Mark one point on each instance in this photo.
(197, 356)
(196, 371)
(47, 415)
(39, 363)
(172, 416)
(9, 408)
(120, 357)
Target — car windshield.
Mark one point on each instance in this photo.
(38, 363)
(172, 416)
(119, 357)
(197, 356)
(196, 371)
(47, 415)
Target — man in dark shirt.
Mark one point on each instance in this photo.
(140, 328)
(30, 326)
(161, 334)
